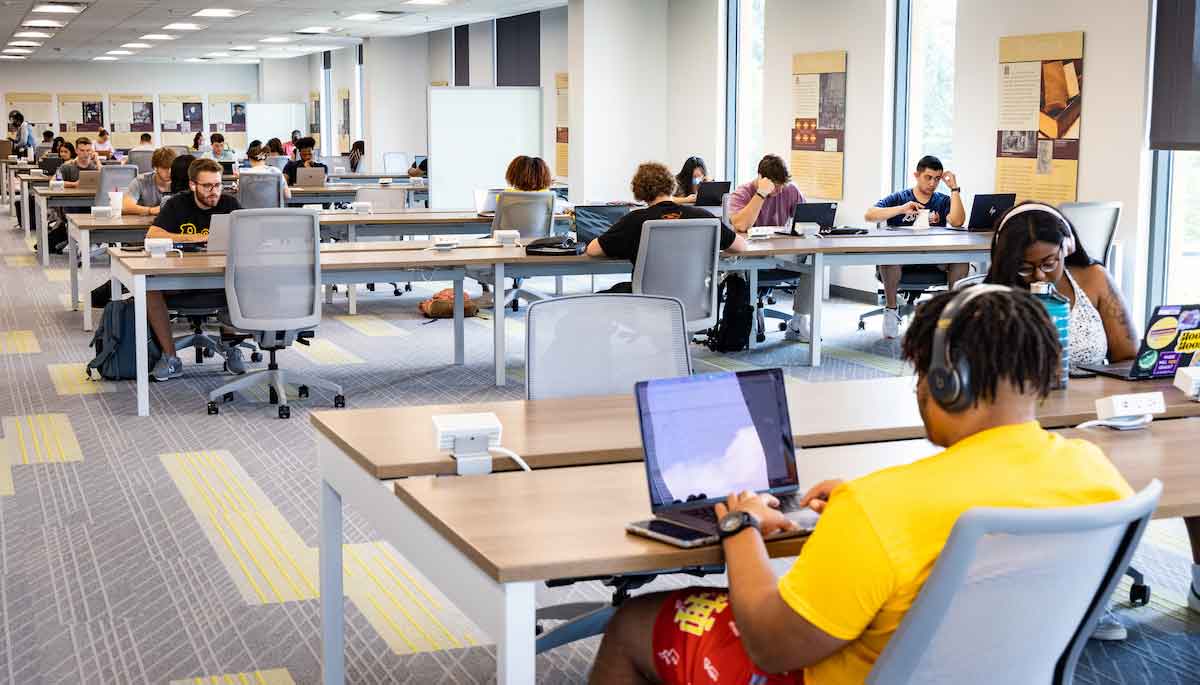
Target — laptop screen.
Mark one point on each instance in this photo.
(1172, 340)
(711, 435)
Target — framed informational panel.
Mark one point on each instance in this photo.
(819, 123)
(343, 125)
(314, 115)
(1041, 100)
(227, 115)
(182, 117)
(130, 115)
(562, 114)
(80, 113)
(37, 108)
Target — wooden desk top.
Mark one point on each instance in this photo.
(899, 242)
(601, 430)
(328, 218)
(33, 178)
(578, 527)
(95, 223)
(346, 188)
(202, 264)
(65, 192)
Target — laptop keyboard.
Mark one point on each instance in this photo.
(787, 504)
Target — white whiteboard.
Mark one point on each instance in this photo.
(473, 134)
(264, 122)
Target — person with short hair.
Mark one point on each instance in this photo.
(257, 155)
(275, 148)
(47, 137)
(145, 144)
(218, 150)
(65, 150)
(305, 147)
(185, 218)
(22, 132)
(103, 144)
(830, 616)
(84, 160)
(652, 184)
(148, 190)
(900, 209)
(532, 175)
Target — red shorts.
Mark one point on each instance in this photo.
(696, 642)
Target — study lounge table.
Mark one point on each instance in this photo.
(45, 199)
(342, 192)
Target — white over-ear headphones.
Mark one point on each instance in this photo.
(1039, 207)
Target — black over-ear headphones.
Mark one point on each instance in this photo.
(949, 379)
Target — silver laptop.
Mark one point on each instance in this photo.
(310, 177)
(89, 180)
(218, 233)
(485, 201)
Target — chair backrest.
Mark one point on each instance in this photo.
(113, 177)
(591, 221)
(1015, 594)
(141, 160)
(385, 199)
(38, 150)
(678, 258)
(1096, 223)
(273, 269)
(395, 162)
(49, 164)
(181, 150)
(531, 214)
(584, 345)
(260, 191)
(335, 161)
(969, 281)
(277, 161)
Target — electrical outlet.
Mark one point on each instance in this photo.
(1138, 404)
(1187, 379)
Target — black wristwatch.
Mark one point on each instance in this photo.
(735, 522)
(954, 190)
(760, 194)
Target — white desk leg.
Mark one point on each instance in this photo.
(754, 304)
(25, 209)
(72, 257)
(558, 286)
(458, 321)
(84, 247)
(516, 648)
(43, 227)
(352, 288)
(139, 334)
(333, 603)
(818, 287)
(498, 329)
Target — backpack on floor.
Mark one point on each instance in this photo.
(736, 316)
(115, 343)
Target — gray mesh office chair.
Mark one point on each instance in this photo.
(1096, 223)
(273, 291)
(678, 258)
(38, 151)
(260, 191)
(142, 160)
(113, 177)
(591, 221)
(1015, 594)
(385, 200)
(278, 161)
(395, 163)
(532, 215)
(181, 150)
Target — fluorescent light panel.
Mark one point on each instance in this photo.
(59, 8)
(314, 30)
(243, 48)
(216, 54)
(195, 59)
(276, 39)
(365, 16)
(18, 51)
(220, 13)
(119, 52)
(184, 26)
(157, 36)
(140, 46)
(11, 56)
(32, 34)
(43, 23)
(24, 43)
(102, 58)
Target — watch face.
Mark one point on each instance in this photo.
(731, 521)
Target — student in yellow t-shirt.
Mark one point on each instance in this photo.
(828, 619)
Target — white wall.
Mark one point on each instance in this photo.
(284, 80)
(696, 87)
(395, 99)
(1113, 160)
(483, 53)
(439, 56)
(618, 95)
(863, 28)
(554, 60)
(343, 63)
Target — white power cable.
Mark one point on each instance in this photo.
(1121, 423)
(511, 455)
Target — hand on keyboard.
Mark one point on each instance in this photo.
(818, 495)
(764, 507)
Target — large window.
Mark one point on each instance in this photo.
(931, 81)
(1183, 241)
(749, 88)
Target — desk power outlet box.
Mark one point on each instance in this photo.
(761, 232)
(468, 437)
(1187, 379)
(1138, 404)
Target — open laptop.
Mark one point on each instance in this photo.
(89, 180)
(1172, 340)
(711, 435)
(820, 213)
(709, 193)
(218, 232)
(227, 167)
(985, 209)
(485, 201)
(310, 177)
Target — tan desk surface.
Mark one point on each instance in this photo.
(906, 242)
(65, 192)
(346, 188)
(560, 523)
(88, 222)
(33, 178)
(328, 218)
(600, 430)
(357, 260)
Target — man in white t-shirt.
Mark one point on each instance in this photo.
(145, 145)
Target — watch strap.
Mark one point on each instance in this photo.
(760, 194)
(748, 520)
(955, 190)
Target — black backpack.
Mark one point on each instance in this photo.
(116, 354)
(736, 317)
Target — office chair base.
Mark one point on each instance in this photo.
(276, 381)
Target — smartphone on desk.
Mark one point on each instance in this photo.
(670, 533)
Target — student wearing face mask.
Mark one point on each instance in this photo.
(687, 181)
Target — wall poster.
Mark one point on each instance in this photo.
(344, 123)
(227, 115)
(80, 113)
(37, 108)
(1041, 97)
(129, 117)
(314, 115)
(819, 123)
(182, 117)
(562, 114)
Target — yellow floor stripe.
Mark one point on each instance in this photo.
(21, 260)
(895, 367)
(273, 676)
(726, 363)
(39, 439)
(373, 326)
(324, 352)
(71, 379)
(269, 562)
(19, 342)
(57, 275)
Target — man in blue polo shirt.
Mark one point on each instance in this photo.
(900, 209)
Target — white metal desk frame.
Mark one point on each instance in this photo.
(44, 203)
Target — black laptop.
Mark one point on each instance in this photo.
(822, 214)
(985, 209)
(709, 193)
(1172, 340)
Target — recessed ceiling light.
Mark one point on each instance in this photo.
(243, 48)
(119, 52)
(195, 59)
(157, 36)
(243, 61)
(185, 26)
(320, 48)
(43, 23)
(32, 34)
(276, 39)
(216, 54)
(18, 51)
(102, 58)
(12, 57)
(425, 2)
(313, 30)
(59, 8)
(365, 16)
(140, 46)
(218, 13)
(24, 43)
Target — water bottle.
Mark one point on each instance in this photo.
(1059, 309)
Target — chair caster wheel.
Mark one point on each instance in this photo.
(303, 392)
(227, 397)
(1139, 594)
(770, 300)
(761, 337)
(408, 287)
(256, 357)
(339, 401)
(783, 326)
(285, 412)
(371, 287)
(273, 396)
(862, 325)
(213, 410)
(207, 353)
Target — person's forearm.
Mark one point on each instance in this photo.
(745, 217)
(883, 213)
(751, 583)
(958, 215)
